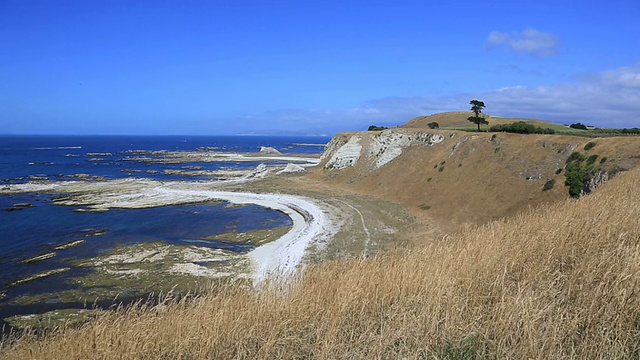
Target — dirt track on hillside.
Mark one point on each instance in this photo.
(368, 224)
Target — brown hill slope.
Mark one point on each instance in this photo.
(458, 119)
(446, 119)
(465, 178)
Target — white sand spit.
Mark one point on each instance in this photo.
(280, 257)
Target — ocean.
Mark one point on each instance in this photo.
(31, 225)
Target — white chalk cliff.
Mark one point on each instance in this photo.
(388, 144)
(346, 155)
(381, 148)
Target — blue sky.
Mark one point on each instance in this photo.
(314, 67)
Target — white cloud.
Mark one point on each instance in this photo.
(606, 99)
(624, 77)
(365, 110)
(530, 41)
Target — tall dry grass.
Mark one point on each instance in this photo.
(553, 283)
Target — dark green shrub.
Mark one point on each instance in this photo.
(578, 126)
(540, 130)
(576, 157)
(588, 146)
(433, 125)
(603, 160)
(521, 127)
(429, 179)
(631, 131)
(376, 128)
(425, 207)
(577, 172)
(493, 137)
(549, 185)
(558, 171)
(496, 150)
(440, 168)
(575, 177)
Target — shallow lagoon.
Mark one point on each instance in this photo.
(40, 229)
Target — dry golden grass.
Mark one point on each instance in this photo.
(452, 118)
(557, 282)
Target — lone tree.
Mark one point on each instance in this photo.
(476, 107)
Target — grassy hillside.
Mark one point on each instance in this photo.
(457, 120)
(559, 281)
(472, 178)
(446, 119)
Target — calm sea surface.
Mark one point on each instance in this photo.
(30, 231)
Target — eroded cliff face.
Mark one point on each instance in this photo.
(376, 148)
(596, 180)
(336, 142)
(346, 155)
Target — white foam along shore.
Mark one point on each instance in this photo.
(277, 258)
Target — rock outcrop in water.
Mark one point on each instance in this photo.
(269, 150)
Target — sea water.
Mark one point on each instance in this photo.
(36, 229)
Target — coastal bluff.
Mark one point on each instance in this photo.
(466, 177)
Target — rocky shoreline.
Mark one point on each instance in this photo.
(325, 225)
